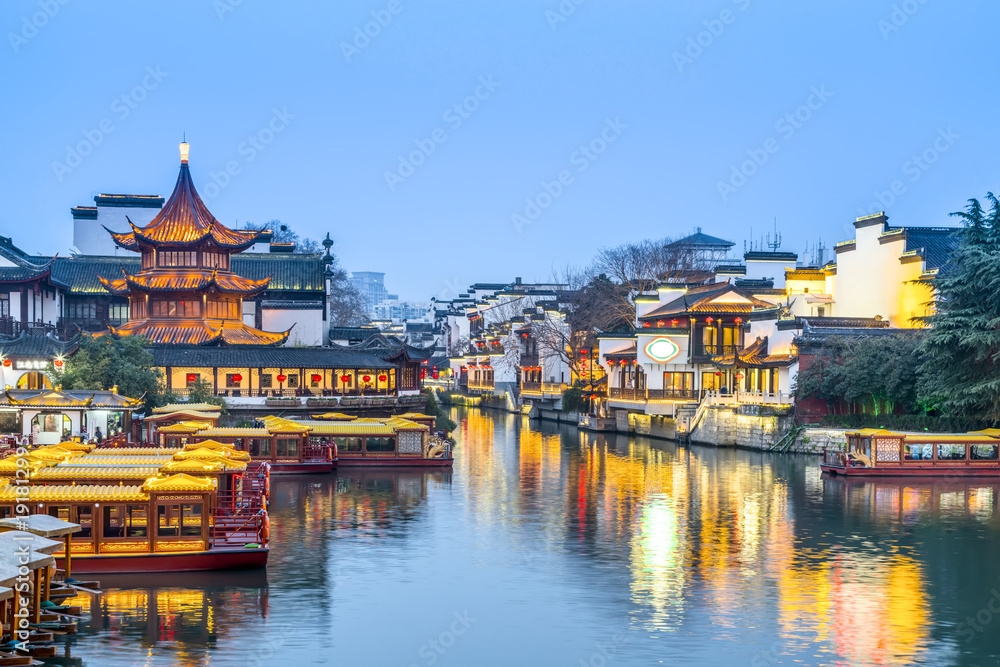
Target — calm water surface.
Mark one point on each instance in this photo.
(545, 546)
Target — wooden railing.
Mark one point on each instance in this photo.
(629, 394)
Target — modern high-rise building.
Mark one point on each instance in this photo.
(371, 284)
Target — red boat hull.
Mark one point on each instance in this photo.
(302, 468)
(217, 559)
(393, 463)
(911, 471)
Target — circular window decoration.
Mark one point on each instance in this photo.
(382, 378)
(282, 378)
(345, 378)
(661, 349)
(317, 378)
(366, 378)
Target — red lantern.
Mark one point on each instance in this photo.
(345, 378)
(646, 324)
(237, 377)
(709, 320)
(6, 362)
(317, 378)
(718, 372)
(661, 323)
(366, 378)
(674, 323)
(192, 377)
(739, 320)
(58, 363)
(382, 378)
(583, 353)
(282, 378)
(739, 376)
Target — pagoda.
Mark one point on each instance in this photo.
(184, 292)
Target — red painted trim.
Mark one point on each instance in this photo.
(911, 471)
(394, 463)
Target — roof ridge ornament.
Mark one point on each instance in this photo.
(185, 150)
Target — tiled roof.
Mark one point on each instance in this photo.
(936, 243)
(754, 355)
(387, 347)
(703, 240)
(187, 280)
(25, 267)
(37, 345)
(185, 221)
(56, 398)
(176, 407)
(699, 300)
(200, 332)
(268, 357)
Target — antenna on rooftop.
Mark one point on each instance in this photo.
(774, 245)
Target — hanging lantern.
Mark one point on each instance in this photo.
(317, 378)
(739, 376)
(674, 323)
(366, 378)
(237, 377)
(383, 378)
(661, 323)
(282, 378)
(6, 363)
(739, 320)
(646, 324)
(709, 320)
(718, 372)
(345, 378)
(583, 353)
(58, 363)
(192, 377)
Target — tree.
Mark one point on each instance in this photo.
(103, 362)
(201, 392)
(347, 305)
(961, 351)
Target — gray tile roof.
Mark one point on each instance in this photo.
(266, 357)
(936, 243)
(37, 345)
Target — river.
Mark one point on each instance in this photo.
(549, 546)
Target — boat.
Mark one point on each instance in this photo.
(147, 509)
(880, 452)
(386, 442)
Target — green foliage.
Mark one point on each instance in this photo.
(201, 392)
(930, 423)
(874, 374)
(573, 400)
(442, 422)
(962, 349)
(104, 362)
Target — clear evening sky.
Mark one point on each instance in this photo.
(617, 120)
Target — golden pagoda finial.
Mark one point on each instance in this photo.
(185, 150)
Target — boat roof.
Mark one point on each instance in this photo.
(180, 407)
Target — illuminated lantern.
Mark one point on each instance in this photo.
(282, 378)
(674, 323)
(739, 376)
(718, 372)
(709, 320)
(382, 378)
(739, 320)
(192, 377)
(646, 324)
(6, 362)
(345, 378)
(317, 378)
(366, 378)
(661, 323)
(435, 374)
(58, 363)
(583, 353)
(237, 378)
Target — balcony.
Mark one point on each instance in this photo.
(705, 350)
(625, 397)
(543, 389)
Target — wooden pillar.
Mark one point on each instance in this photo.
(215, 380)
(68, 558)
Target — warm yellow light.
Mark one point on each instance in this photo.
(184, 152)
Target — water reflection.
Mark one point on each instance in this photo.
(556, 540)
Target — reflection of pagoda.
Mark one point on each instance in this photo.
(185, 292)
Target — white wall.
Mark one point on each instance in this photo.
(90, 238)
(308, 328)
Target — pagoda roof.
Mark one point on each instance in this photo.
(185, 221)
(37, 345)
(717, 298)
(200, 332)
(194, 280)
(57, 398)
(754, 355)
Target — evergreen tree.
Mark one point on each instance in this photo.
(961, 351)
(105, 361)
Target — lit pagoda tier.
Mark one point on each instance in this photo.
(185, 292)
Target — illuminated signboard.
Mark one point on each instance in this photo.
(661, 349)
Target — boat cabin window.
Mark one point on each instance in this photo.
(6, 511)
(983, 452)
(265, 447)
(288, 447)
(124, 521)
(348, 444)
(913, 452)
(179, 520)
(387, 444)
(951, 452)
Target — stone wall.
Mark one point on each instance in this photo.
(758, 427)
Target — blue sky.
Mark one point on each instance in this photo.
(578, 126)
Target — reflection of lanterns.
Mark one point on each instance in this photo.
(366, 378)
(383, 378)
(237, 377)
(345, 378)
(317, 378)
(192, 377)
(282, 377)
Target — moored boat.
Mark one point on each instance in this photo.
(879, 452)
